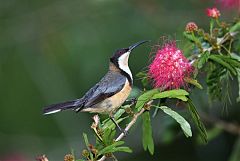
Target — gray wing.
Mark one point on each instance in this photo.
(110, 84)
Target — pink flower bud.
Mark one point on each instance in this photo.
(213, 12)
(191, 27)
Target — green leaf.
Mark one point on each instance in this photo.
(144, 78)
(214, 132)
(203, 59)
(122, 149)
(225, 64)
(144, 98)
(238, 98)
(193, 82)
(235, 27)
(183, 123)
(183, 98)
(197, 121)
(175, 93)
(147, 138)
(108, 135)
(87, 144)
(141, 74)
(110, 148)
(190, 36)
(214, 75)
(108, 123)
(238, 76)
(232, 60)
(85, 139)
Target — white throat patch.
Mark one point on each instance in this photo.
(123, 63)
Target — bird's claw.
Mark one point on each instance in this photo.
(125, 132)
(132, 101)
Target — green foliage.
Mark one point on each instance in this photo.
(193, 82)
(214, 54)
(87, 145)
(197, 121)
(108, 136)
(144, 78)
(145, 97)
(189, 36)
(156, 94)
(238, 98)
(203, 59)
(175, 93)
(108, 122)
(235, 27)
(114, 147)
(182, 122)
(238, 77)
(147, 138)
(214, 75)
(211, 134)
(227, 62)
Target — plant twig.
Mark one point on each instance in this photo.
(133, 121)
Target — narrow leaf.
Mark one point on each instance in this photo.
(147, 138)
(193, 82)
(238, 75)
(108, 135)
(87, 144)
(223, 63)
(190, 37)
(144, 98)
(183, 123)
(108, 123)
(235, 27)
(230, 59)
(203, 59)
(110, 148)
(238, 98)
(122, 149)
(85, 139)
(144, 78)
(175, 93)
(197, 121)
(183, 98)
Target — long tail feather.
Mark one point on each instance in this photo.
(69, 105)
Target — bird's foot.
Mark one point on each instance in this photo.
(132, 101)
(125, 132)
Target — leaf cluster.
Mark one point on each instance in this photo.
(215, 53)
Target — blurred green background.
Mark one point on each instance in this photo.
(51, 51)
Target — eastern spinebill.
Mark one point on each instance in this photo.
(108, 94)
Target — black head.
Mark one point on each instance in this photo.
(117, 54)
(120, 52)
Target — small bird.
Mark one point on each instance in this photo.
(109, 93)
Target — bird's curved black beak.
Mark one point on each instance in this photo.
(137, 44)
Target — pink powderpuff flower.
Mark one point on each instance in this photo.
(213, 12)
(169, 67)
